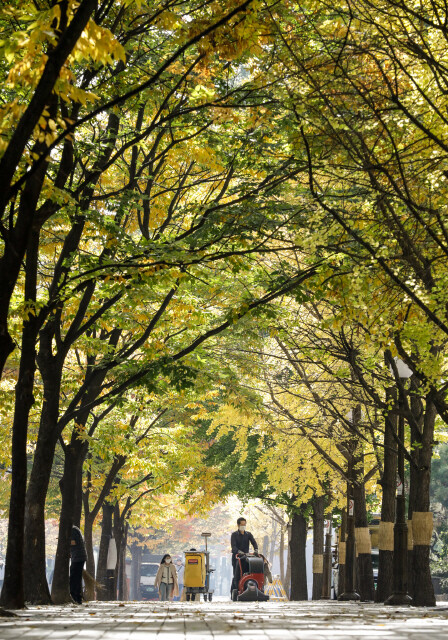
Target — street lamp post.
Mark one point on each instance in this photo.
(400, 594)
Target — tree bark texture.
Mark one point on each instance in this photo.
(136, 553)
(341, 565)
(22, 238)
(364, 568)
(282, 554)
(60, 592)
(120, 535)
(90, 564)
(417, 411)
(288, 560)
(106, 535)
(123, 591)
(36, 587)
(423, 592)
(318, 545)
(388, 485)
(299, 587)
(13, 596)
(77, 511)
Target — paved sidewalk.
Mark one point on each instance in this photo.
(226, 620)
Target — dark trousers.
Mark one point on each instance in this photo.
(236, 572)
(76, 581)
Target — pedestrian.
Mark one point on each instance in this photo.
(78, 556)
(166, 579)
(180, 576)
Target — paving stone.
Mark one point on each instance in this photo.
(227, 621)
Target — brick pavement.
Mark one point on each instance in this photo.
(226, 620)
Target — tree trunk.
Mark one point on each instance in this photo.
(265, 546)
(288, 560)
(36, 587)
(366, 585)
(12, 596)
(136, 552)
(417, 411)
(299, 587)
(421, 516)
(341, 553)
(60, 592)
(90, 516)
(23, 239)
(349, 593)
(106, 535)
(273, 541)
(90, 564)
(282, 554)
(118, 533)
(388, 485)
(364, 568)
(122, 578)
(77, 511)
(412, 491)
(318, 545)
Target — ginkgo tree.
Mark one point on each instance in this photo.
(82, 196)
(139, 471)
(366, 94)
(167, 172)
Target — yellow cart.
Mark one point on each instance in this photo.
(197, 573)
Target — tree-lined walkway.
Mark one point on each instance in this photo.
(216, 621)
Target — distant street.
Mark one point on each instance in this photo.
(224, 620)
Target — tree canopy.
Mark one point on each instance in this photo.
(221, 225)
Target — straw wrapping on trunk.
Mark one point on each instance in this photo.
(386, 536)
(362, 538)
(422, 526)
(318, 563)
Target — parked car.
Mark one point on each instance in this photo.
(148, 572)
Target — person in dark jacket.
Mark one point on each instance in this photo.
(78, 556)
(240, 541)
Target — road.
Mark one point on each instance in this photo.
(226, 620)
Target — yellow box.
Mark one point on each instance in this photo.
(194, 574)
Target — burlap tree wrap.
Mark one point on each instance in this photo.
(362, 538)
(386, 536)
(422, 525)
(341, 552)
(318, 563)
(410, 536)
